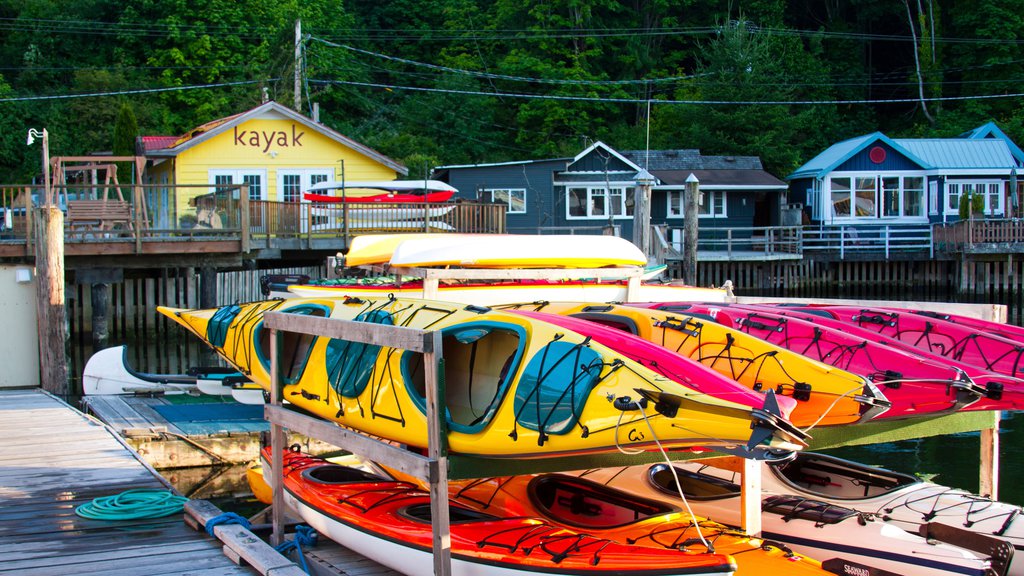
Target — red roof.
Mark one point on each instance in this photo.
(151, 143)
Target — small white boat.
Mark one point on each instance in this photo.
(818, 529)
(108, 372)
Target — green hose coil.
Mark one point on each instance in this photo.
(133, 505)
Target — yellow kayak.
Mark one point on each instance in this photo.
(515, 386)
(825, 395)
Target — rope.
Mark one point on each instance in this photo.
(226, 518)
(304, 536)
(133, 505)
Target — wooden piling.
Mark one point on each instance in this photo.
(50, 299)
(99, 296)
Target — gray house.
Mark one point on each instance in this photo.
(596, 189)
(875, 179)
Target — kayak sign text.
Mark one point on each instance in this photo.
(263, 140)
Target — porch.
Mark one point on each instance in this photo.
(979, 236)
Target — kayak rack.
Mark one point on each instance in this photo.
(438, 465)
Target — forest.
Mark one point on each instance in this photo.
(442, 82)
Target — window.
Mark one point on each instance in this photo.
(876, 196)
(840, 188)
(599, 201)
(292, 183)
(992, 192)
(254, 178)
(710, 204)
(514, 197)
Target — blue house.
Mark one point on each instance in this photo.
(597, 188)
(875, 179)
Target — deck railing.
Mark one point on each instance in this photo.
(184, 213)
(988, 234)
(869, 239)
(739, 243)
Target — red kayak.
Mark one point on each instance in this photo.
(380, 191)
(389, 521)
(920, 387)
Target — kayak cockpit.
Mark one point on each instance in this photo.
(837, 478)
(586, 504)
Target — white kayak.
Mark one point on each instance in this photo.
(109, 372)
(897, 499)
(495, 293)
(820, 530)
(518, 251)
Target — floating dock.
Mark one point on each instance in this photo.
(181, 431)
(53, 459)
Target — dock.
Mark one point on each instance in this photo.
(53, 459)
(181, 431)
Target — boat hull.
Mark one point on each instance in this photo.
(384, 521)
(823, 532)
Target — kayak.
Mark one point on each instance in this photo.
(898, 499)
(109, 372)
(515, 386)
(819, 529)
(673, 366)
(603, 512)
(380, 191)
(1001, 392)
(504, 292)
(1008, 331)
(915, 385)
(955, 341)
(517, 251)
(390, 522)
(824, 395)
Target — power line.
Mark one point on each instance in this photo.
(644, 101)
(138, 91)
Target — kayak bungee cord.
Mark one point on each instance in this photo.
(679, 487)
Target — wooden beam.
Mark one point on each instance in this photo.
(412, 339)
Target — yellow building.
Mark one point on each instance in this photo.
(278, 152)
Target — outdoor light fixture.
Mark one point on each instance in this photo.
(33, 134)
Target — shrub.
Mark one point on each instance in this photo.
(971, 204)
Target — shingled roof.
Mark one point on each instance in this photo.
(689, 159)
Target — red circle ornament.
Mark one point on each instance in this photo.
(877, 154)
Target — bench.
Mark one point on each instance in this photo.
(99, 214)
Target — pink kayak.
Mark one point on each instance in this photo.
(677, 367)
(954, 341)
(1002, 392)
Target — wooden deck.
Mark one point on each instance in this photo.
(54, 458)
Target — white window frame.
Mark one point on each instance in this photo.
(707, 202)
(603, 191)
(238, 177)
(992, 188)
(878, 214)
(307, 177)
(510, 192)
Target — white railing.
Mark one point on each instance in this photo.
(869, 239)
(762, 242)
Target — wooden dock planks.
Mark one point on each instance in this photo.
(53, 459)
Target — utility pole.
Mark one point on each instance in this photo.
(298, 65)
(690, 230)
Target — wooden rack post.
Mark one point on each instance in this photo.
(432, 469)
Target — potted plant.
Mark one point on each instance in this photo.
(972, 206)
